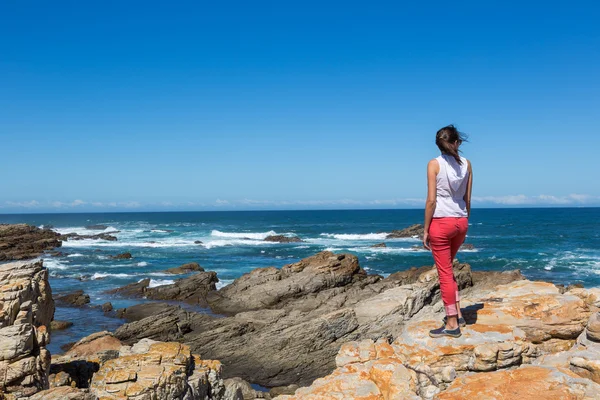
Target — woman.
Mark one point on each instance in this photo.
(448, 206)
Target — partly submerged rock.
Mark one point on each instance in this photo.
(97, 227)
(283, 239)
(100, 236)
(185, 269)
(379, 245)
(75, 299)
(192, 289)
(22, 242)
(60, 325)
(122, 256)
(415, 230)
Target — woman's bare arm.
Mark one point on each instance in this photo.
(467, 197)
(432, 170)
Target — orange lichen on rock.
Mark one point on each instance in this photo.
(525, 383)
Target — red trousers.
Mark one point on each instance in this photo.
(445, 237)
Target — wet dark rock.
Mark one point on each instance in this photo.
(22, 241)
(379, 245)
(192, 290)
(107, 307)
(185, 269)
(198, 242)
(76, 299)
(56, 254)
(416, 230)
(122, 256)
(96, 227)
(60, 325)
(99, 236)
(467, 246)
(283, 239)
(67, 346)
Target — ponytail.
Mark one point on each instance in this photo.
(445, 139)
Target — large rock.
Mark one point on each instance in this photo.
(305, 312)
(161, 371)
(509, 326)
(415, 230)
(192, 290)
(26, 309)
(275, 288)
(22, 242)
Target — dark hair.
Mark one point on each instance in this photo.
(446, 137)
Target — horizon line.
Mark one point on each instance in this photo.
(503, 207)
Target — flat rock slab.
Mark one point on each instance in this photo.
(525, 383)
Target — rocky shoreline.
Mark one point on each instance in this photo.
(316, 329)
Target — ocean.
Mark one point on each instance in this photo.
(554, 244)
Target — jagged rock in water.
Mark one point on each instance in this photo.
(96, 227)
(60, 325)
(100, 236)
(76, 299)
(192, 290)
(22, 242)
(122, 256)
(379, 245)
(415, 230)
(185, 269)
(283, 239)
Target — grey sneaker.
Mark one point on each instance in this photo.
(461, 322)
(441, 332)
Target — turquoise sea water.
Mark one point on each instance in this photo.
(555, 244)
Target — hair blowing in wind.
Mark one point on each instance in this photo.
(446, 138)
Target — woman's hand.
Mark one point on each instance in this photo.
(426, 241)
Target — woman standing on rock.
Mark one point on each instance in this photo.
(448, 206)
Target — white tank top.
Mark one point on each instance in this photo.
(451, 187)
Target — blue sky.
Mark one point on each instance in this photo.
(113, 105)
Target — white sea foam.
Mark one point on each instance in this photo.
(223, 282)
(101, 243)
(302, 247)
(100, 275)
(51, 264)
(160, 282)
(236, 242)
(142, 264)
(355, 236)
(387, 250)
(158, 231)
(80, 230)
(75, 255)
(243, 235)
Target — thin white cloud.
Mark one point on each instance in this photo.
(543, 199)
(575, 199)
